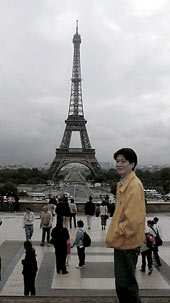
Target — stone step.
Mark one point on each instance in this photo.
(82, 299)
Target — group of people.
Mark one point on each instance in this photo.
(67, 211)
(126, 232)
(12, 200)
(59, 237)
(63, 209)
(150, 247)
(103, 210)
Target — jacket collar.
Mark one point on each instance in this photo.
(126, 182)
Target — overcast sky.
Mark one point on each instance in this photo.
(125, 66)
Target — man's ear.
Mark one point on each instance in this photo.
(133, 165)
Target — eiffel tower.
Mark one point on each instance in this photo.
(75, 123)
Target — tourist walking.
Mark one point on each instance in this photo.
(146, 252)
(45, 224)
(52, 205)
(59, 239)
(66, 212)
(79, 244)
(53, 201)
(16, 203)
(28, 223)
(103, 214)
(10, 201)
(29, 269)
(97, 210)
(59, 208)
(89, 211)
(127, 228)
(73, 211)
(156, 226)
(155, 247)
(111, 208)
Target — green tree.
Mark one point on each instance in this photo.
(8, 188)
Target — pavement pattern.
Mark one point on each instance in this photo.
(96, 280)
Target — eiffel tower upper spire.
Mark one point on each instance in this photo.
(76, 104)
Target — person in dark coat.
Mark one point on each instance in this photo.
(29, 269)
(59, 209)
(53, 201)
(16, 203)
(66, 212)
(73, 211)
(89, 211)
(111, 209)
(60, 235)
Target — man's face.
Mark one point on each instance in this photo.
(123, 166)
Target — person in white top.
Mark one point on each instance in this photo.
(155, 247)
(45, 224)
(28, 223)
(73, 211)
(157, 227)
(103, 214)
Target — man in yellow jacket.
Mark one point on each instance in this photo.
(127, 228)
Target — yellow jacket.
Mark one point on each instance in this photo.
(127, 227)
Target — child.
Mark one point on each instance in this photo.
(29, 269)
(69, 245)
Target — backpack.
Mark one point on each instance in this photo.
(158, 240)
(86, 239)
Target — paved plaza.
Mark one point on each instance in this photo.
(96, 279)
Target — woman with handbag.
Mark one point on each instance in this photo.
(103, 214)
(155, 247)
(146, 252)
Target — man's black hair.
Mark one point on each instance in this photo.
(129, 155)
(80, 223)
(155, 219)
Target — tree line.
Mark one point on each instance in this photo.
(11, 178)
(159, 179)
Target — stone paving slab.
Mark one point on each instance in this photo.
(63, 299)
(78, 286)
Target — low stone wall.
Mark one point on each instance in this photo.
(152, 207)
(37, 206)
(157, 207)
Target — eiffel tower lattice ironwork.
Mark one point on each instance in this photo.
(75, 123)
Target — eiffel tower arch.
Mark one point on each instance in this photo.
(75, 122)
